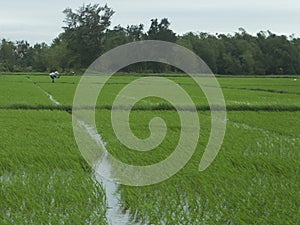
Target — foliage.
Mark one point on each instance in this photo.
(87, 35)
(85, 31)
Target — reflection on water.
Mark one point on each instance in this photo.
(114, 213)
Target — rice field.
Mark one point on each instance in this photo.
(254, 179)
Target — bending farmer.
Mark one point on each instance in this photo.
(54, 75)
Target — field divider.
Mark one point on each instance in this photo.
(230, 108)
(37, 107)
(247, 89)
(263, 90)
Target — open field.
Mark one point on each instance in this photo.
(254, 179)
(43, 178)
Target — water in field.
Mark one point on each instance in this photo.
(52, 99)
(114, 213)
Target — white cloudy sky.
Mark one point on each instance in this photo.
(41, 21)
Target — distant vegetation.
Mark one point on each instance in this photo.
(87, 35)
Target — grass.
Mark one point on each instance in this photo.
(277, 93)
(43, 178)
(289, 85)
(20, 91)
(254, 179)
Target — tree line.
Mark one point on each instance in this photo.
(87, 35)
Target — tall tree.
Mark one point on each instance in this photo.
(39, 59)
(115, 37)
(85, 31)
(8, 55)
(135, 32)
(161, 31)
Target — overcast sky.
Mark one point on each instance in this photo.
(40, 21)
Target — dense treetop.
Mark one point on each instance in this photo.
(87, 35)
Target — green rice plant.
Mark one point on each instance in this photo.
(239, 95)
(20, 91)
(43, 177)
(254, 177)
(51, 197)
(285, 85)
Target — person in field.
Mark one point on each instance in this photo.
(54, 75)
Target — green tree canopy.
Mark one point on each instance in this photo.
(85, 31)
(87, 35)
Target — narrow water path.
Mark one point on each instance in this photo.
(114, 212)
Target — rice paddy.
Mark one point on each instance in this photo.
(254, 179)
